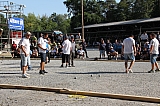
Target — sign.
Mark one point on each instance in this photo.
(16, 34)
(16, 23)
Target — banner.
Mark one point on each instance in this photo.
(16, 23)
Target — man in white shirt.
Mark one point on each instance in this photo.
(129, 51)
(81, 52)
(154, 46)
(42, 50)
(66, 47)
(25, 53)
(144, 37)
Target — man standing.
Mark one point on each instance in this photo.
(84, 45)
(72, 54)
(66, 47)
(154, 45)
(102, 48)
(25, 53)
(129, 51)
(42, 50)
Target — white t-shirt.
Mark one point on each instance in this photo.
(66, 47)
(42, 42)
(155, 43)
(25, 42)
(128, 45)
(144, 37)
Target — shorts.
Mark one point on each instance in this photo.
(153, 58)
(65, 58)
(102, 52)
(129, 56)
(43, 57)
(24, 60)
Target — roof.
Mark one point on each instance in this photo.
(121, 23)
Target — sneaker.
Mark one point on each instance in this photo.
(25, 76)
(45, 71)
(41, 72)
(130, 71)
(69, 66)
(151, 71)
(157, 70)
(66, 66)
(73, 66)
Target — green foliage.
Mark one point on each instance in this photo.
(44, 23)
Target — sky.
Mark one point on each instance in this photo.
(43, 7)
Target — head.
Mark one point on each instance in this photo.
(72, 38)
(132, 36)
(45, 36)
(108, 41)
(116, 41)
(102, 41)
(65, 37)
(152, 35)
(28, 35)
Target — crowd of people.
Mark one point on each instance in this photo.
(45, 49)
(65, 48)
(108, 49)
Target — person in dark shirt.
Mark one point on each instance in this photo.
(84, 45)
(108, 46)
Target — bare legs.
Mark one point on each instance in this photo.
(130, 67)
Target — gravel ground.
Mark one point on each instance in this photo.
(96, 76)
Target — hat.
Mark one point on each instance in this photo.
(28, 33)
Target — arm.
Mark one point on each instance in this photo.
(40, 46)
(151, 49)
(122, 49)
(22, 47)
(134, 48)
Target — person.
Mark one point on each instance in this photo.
(66, 47)
(129, 51)
(102, 48)
(144, 37)
(14, 49)
(78, 36)
(113, 53)
(154, 45)
(84, 45)
(25, 53)
(34, 40)
(35, 52)
(81, 52)
(48, 51)
(108, 46)
(115, 45)
(72, 54)
(42, 50)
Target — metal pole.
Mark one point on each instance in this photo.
(82, 19)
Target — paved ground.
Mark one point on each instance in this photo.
(107, 77)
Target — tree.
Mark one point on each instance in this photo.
(156, 9)
(142, 9)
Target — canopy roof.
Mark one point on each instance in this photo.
(121, 23)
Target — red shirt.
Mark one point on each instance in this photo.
(14, 46)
